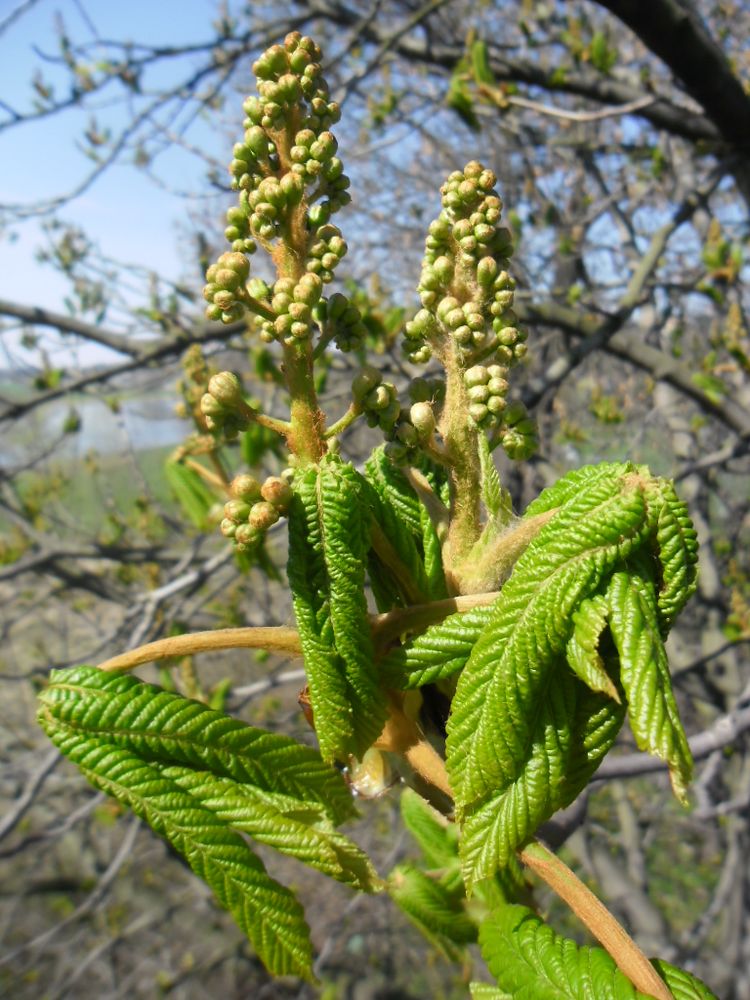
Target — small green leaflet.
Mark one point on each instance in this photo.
(681, 983)
(191, 493)
(266, 911)
(437, 910)
(525, 734)
(328, 546)
(440, 651)
(301, 830)
(531, 962)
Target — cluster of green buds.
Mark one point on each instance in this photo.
(290, 183)
(254, 508)
(225, 287)
(224, 407)
(378, 400)
(339, 317)
(519, 437)
(465, 289)
(413, 431)
(487, 388)
(293, 303)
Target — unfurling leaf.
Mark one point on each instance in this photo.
(328, 545)
(525, 734)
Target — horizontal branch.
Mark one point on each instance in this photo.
(69, 324)
(169, 347)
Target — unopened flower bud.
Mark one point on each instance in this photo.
(227, 388)
(262, 515)
(245, 487)
(277, 492)
(423, 419)
(236, 510)
(365, 382)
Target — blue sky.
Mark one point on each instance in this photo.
(124, 212)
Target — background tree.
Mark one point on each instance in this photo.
(619, 135)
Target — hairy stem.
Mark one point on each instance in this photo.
(275, 639)
(598, 920)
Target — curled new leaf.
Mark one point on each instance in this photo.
(439, 652)
(437, 911)
(525, 735)
(328, 544)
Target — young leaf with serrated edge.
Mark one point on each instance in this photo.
(440, 651)
(490, 739)
(486, 991)
(571, 731)
(532, 962)
(582, 651)
(400, 537)
(392, 486)
(436, 910)
(677, 545)
(496, 499)
(266, 911)
(161, 726)
(436, 836)
(191, 492)
(301, 830)
(682, 984)
(644, 672)
(328, 545)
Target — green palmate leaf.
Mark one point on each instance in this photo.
(437, 653)
(644, 672)
(328, 545)
(681, 983)
(436, 910)
(160, 726)
(301, 830)
(191, 493)
(531, 962)
(265, 910)
(525, 734)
